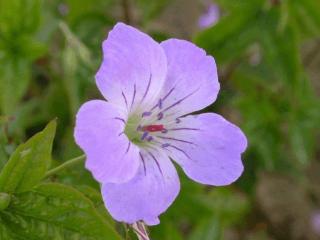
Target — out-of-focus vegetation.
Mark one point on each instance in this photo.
(268, 56)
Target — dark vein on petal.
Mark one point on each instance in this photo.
(180, 101)
(129, 144)
(180, 150)
(178, 129)
(148, 87)
(156, 161)
(175, 139)
(134, 95)
(120, 119)
(125, 99)
(144, 164)
(166, 96)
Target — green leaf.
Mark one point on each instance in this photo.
(4, 231)
(151, 9)
(55, 211)
(21, 16)
(228, 206)
(167, 230)
(208, 230)
(74, 54)
(307, 14)
(14, 79)
(5, 199)
(281, 51)
(96, 198)
(29, 162)
(233, 33)
(19, 22)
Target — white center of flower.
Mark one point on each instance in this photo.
(155, 128)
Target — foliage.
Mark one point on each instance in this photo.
(49, 52)
(34, 210)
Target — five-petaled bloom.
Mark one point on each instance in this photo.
(130, 139)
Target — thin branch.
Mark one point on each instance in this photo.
(311, 55)
(126, 11)
(65, 165)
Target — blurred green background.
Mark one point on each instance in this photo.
(268, 56)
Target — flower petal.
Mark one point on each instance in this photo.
(133, 69)
(208, 148)
(147, 195)
(192, 78)
(110, 155)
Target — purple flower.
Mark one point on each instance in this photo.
(130, 139)
(315, 222)
(210, 17)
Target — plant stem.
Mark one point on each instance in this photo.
(140, 230)
(64, 165)
(126, 11)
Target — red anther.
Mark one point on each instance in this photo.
(153, 128)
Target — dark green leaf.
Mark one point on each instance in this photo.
(96, 198)
(54, 211)
(29, 162)
(21, 16)
(5, 199)
(307, 12)
(14, 79)
(5, 232)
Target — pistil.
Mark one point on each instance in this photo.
(153, 128)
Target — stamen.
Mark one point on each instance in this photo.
(150, 138)
(165, 145)
(144, 135)
(164, 131)
(146, 114)
(160, 115)
(160, 103)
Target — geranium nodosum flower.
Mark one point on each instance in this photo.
(131, 139)
(210, 17)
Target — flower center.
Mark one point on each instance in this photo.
(141, 132)
(149, 128)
